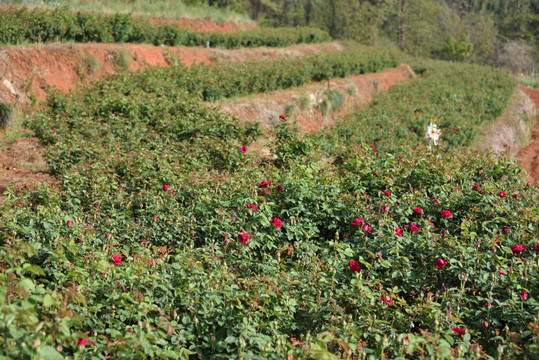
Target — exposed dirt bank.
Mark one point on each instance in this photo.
(312, 105)
(528, 157)
(511, 131)
(27, 72)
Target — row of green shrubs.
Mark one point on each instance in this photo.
(159, 239)
(213, 83)
(20, 25)
(459, 98)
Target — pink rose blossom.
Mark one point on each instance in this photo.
(357, 222)
(165, 187)
(69, 223)
(244, 149)
(367, 228)
(82, 342)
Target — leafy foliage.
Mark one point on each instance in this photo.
(160, 238)
(21, 24)
(460, 98)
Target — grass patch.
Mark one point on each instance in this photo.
(530, 81)
(122, 58)
(6, 115)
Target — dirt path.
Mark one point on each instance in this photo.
(528, 157)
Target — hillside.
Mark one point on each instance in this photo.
(167, 228)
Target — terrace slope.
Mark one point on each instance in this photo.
(27, 72)
(528, 157)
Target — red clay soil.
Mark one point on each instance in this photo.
(528, 157)
(22, 165)
(29, 71)
(205, 25)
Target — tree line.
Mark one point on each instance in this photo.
(496, 32)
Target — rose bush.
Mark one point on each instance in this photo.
(198, 272)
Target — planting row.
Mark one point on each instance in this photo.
(165, 237)
(460, 99)
(22, 25)
(229, 80)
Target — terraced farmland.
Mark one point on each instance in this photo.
(165, 233)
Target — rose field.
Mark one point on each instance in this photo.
(167, 234)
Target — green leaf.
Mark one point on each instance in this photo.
(49, 353)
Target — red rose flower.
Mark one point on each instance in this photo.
(265, 183)
(475, 187)
(252, 206)
(279, 188)
(165, 187)
(536, 247)
(505, 229)
(264, 192)
(523, 295)
(281, 116)
(417, 211)
(398, 231)
(388, 301)
(82, 342)
(517, 248)
(357, 222)
(386, 193)
(440, 263)
(243, 149)
(502, 194)
(458, 331)
(243, 238)
(446, 213)
(277, 223)
(414, 227)
(69, 223)
(354, 266)
(117, 259)
(367, 228)
(516, 196)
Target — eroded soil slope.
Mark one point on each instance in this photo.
(529, 156)
(27, 72)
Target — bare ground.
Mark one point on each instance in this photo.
(528, 157)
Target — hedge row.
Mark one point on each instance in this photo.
(22, 25)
